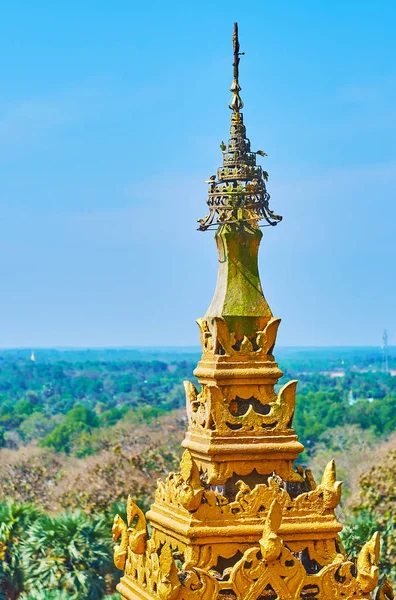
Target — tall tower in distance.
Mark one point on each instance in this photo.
(240, 521)
(385, 352)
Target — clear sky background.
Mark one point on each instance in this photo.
(111, 116)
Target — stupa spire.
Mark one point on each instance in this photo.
(240, 521)
(238, 192)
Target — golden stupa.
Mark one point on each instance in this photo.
(240, 521)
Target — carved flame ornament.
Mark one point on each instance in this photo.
(240, 521)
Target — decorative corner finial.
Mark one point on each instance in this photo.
(236, 103)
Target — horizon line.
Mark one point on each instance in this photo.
(181, 347)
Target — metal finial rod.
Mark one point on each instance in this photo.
(235, 41)
(236, 103)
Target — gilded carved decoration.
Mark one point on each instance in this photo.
(242, 408)
(270, 565)
(216, 339)
(120, 530)
(325, 496)
(132, 536)
(182, 489)
(367, 564)
(385, 591)
(185, 490)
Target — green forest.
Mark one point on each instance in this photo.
(81, 429)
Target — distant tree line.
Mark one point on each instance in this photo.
(58, 402)
(69, 405)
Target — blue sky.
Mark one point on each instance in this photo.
(111, 116)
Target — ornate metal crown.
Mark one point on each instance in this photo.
(240, 192)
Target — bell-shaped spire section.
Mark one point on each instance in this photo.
(238, 192)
